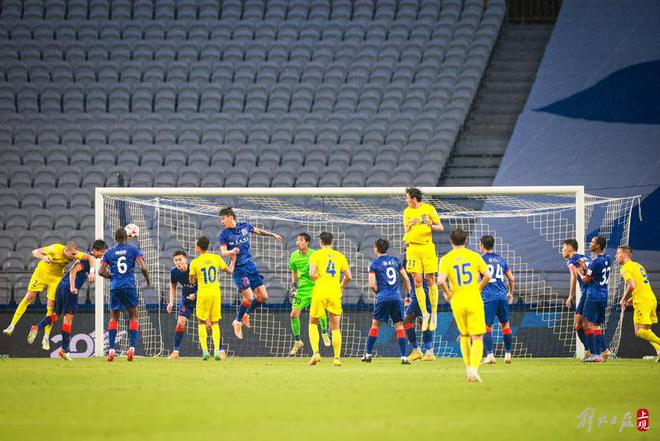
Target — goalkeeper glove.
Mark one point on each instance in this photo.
(292, 290)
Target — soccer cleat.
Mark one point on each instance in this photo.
(9, 330)
(238, 331)
(415, 355)
(298, 345)
(425, 321)
(223, 354)
(507, 357)
(404, 360)
(32, 335)
(206, 355)
(130, 354)
(606, 354)
(64, 355)
(428, 356)
(111, 355)
(45, 343)
(217, 356)
(326, 339)
(246, 321)
(336, 362)
(366, 358)
(316, 359)
(593, 359)
(489, 359)
(433, 324)
(174, 355)
(473, 375)
(586, 355)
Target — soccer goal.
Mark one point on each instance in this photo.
(528, 223)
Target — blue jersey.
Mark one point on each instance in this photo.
(575, 261)
(182, 277)
(599, 270)
(238, 237)
(121, 262)
(496, 289)
(81, 276)
(386, 268)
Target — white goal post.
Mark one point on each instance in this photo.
(574, 198)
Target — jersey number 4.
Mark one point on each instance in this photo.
(330, 269)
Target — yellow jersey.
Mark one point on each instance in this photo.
(206, 268)
(463, 267)
(421, 232)
(58, 261)
(636, 272)
(330, 264)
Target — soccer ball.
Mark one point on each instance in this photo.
(132, 230)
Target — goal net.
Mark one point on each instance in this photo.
(528, 223)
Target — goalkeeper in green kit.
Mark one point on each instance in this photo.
(301, 290)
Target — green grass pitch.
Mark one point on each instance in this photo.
(277, 399)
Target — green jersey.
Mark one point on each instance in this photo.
(300, 264)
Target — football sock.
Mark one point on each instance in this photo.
(427, 340)
(133, 327)
(178, 337)
(314, 337)
(112, 333)
(371, 339)
(411, 333)
(49, 312)
(591, 342)
(401, 337)
(488, 340)
(48, 320)
(254, 305)
(465, 350)
(323, 323)
(242, 309)
(649, 336)
(421, 299)
(508, 338)
(476, 352)
(20, 310)
(215, 335)
(295, 327)
(66, 337)
(336, 342)
(203, 337)
(433, 296)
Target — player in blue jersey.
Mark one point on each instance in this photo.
(573, 262)
(413, 314)
(384, 272)
(118, 265)
(66, 298)
(497, 297)
(235, 243)
(597, 278)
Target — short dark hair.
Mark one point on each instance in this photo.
(382, 245)
(415, 193)
(601, 241)
(227, 211)
(626, 249)
(120, 235)
(326, 238)
(458, 237)
(571, 243)
(99, 245)
(203, 243)
(179, 253)
(305, 236)
(488, 241)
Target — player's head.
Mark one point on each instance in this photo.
(326, 239)
(227, 217)
(98, 248)
(569, 247)
(623, 254)
(486, 243)
(202, 245)
(413, 196)
(381, 246)
(597, 244)
(70, 250)
(120, 236)
(180, 259)
(302, 241)
(458, 238)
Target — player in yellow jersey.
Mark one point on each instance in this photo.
(420, 220)
(204, 272)
(53, 260)
(638, 288)
(326, 266)
(462, 267)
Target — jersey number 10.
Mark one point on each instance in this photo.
(210, 274)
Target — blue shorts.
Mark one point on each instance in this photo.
(385, 309)
(65, 302)
(413, 308)
(594, 311)
(186, 308)
(123, 298)
(580, 306)
(496, 308)
(246, 276)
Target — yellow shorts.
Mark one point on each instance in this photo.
(208, 307)
(40, 281)
(421, 259)
(645, 312)
(470, 318)
(322, 303)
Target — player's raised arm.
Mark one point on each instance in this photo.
(232, 263)
(260, 232)
(512, 282)
(144, 270)
(41, 254)
(72, 277)
(406, 280)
